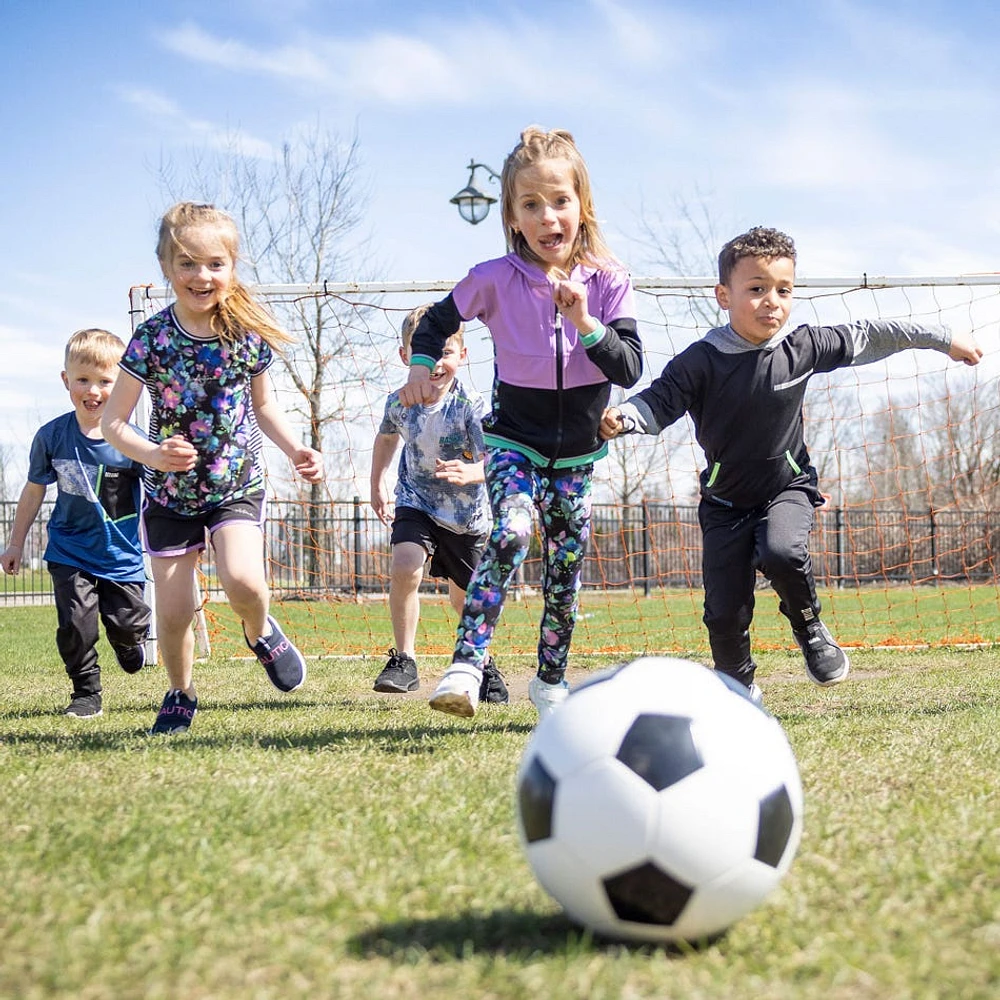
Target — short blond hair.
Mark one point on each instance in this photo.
(94, 346)
(412, 321)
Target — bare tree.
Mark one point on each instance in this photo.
(686, 245)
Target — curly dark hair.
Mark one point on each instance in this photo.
(757, 242)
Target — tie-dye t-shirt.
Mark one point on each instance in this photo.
(200, 389)
(449, 429)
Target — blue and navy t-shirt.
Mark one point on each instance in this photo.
(95, 521)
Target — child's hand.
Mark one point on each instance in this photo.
(308, 464)
(417, 389)
(570, 298)
(458, 472)
(175, 454)
(611, 423)
(964, 348)
(10, 559)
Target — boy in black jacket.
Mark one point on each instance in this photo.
(743, 385)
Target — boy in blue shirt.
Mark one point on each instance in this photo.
(442, 512)
(93, 551)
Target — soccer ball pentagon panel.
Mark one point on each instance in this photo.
(658, 802)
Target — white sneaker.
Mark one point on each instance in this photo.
(547, 697)
(756, 695)
(458, 692)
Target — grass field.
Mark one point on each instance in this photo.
(338, 843)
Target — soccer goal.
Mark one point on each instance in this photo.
(906, 551)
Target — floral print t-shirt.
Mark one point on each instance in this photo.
(200, 389)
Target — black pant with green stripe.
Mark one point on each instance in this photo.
(772, 539)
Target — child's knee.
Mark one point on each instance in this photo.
(782, 559)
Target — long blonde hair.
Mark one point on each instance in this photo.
(537, 144)
(238, 311)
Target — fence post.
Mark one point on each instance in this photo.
(935, 570)
(357, 545)
(646, 545)
(839, 545)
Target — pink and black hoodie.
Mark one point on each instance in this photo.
(551, 383)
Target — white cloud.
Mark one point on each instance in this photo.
(472, 61)
(295, 62)
(169, 116)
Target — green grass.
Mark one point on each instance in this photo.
(615, 623)
(338, 843)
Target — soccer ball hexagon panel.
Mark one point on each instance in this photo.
(658, 803)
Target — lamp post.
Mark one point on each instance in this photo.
(473, 203)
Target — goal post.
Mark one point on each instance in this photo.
(908, 451)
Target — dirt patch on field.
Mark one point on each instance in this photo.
(516, 680)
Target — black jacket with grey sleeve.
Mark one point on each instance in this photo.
(746, 399)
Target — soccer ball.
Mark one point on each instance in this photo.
(658, 802)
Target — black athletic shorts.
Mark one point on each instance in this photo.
(453, 555)
(167, 533)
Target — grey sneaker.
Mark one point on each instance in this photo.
(399, 675)
(826, 662)
(493, 690)
(84, 706)
(547, 697)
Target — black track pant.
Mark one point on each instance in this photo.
(772, 539)
(82, 599)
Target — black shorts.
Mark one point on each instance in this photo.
(167, 533)
(453, 555)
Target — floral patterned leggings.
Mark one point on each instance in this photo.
(563, 500)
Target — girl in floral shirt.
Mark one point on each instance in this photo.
(204, 360)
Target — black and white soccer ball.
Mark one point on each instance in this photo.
(659, 803)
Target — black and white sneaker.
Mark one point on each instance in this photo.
(284, 664)
(493, 690)
(130, 658)
(84, 706)
(399, 675)
(826, 662)
(176, 714)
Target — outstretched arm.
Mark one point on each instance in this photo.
(28, 506)
(874, 340)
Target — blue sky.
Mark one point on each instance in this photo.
(869, 131)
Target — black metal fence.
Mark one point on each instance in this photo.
(341, 548)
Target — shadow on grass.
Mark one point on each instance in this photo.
(508, 933)
(85, 736)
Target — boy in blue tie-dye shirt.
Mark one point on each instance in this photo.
(442, 511)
